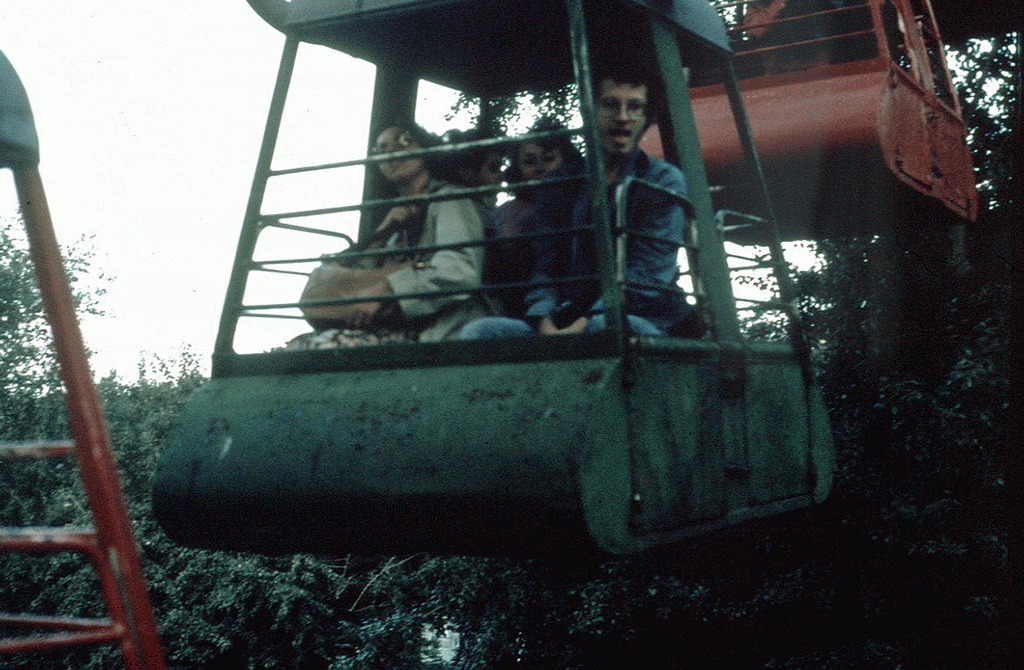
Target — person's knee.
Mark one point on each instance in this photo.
(594, 324)
(641, 326)
(637, 325)
(476, 329)
(494, 326)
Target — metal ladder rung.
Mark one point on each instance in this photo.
(45, 539)
(75, 631)
(38, 449)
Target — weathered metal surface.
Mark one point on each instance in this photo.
(478, 459)
(706, 452)
(532, 458)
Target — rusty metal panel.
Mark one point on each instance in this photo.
(792, 115)
(904, 133)
(923, 144)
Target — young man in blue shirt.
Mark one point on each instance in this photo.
(623, 113)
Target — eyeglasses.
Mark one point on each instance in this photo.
(404, 141)
(635, 109)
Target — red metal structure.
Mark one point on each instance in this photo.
(108, 544)
(851, 108)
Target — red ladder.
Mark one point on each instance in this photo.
(108, 544)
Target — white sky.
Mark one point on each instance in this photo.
(150, 117)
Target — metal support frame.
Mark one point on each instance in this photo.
(602, 224)
(252, 224)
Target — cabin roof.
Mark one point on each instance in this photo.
(489, 47)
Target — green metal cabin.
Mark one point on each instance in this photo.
(608, 442)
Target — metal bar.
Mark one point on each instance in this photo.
(579, 279)
(764, 304)
(353, 253)
(799, 43)
(940, 55)
(786, 288)
(678, 290)
(622, 231)
(602, 224)
(105, 635)
(41, 449)
(307, 229)
(427, 151)
(450, 194)
(714, 274)
(46, 621)
(251, 224)
(47, 540)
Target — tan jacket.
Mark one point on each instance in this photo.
(447, 222)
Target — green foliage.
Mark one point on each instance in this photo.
(514, 114)
(986, 77)
(24, 335)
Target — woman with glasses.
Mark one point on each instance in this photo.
(385, 315)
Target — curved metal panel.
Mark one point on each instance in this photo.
(472, 459)
(19, 143)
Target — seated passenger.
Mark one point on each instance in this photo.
(479, 166)
(798, 31)
(511, 261)
(623, 113)
(404, 228)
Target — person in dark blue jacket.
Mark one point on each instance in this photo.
(623, 113)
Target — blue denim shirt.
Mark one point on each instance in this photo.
(647, 261)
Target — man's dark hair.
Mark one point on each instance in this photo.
(621, 72)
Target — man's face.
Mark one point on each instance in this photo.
(621, 117)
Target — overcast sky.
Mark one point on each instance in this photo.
(150, 117)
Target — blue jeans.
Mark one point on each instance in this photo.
(501, 326)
